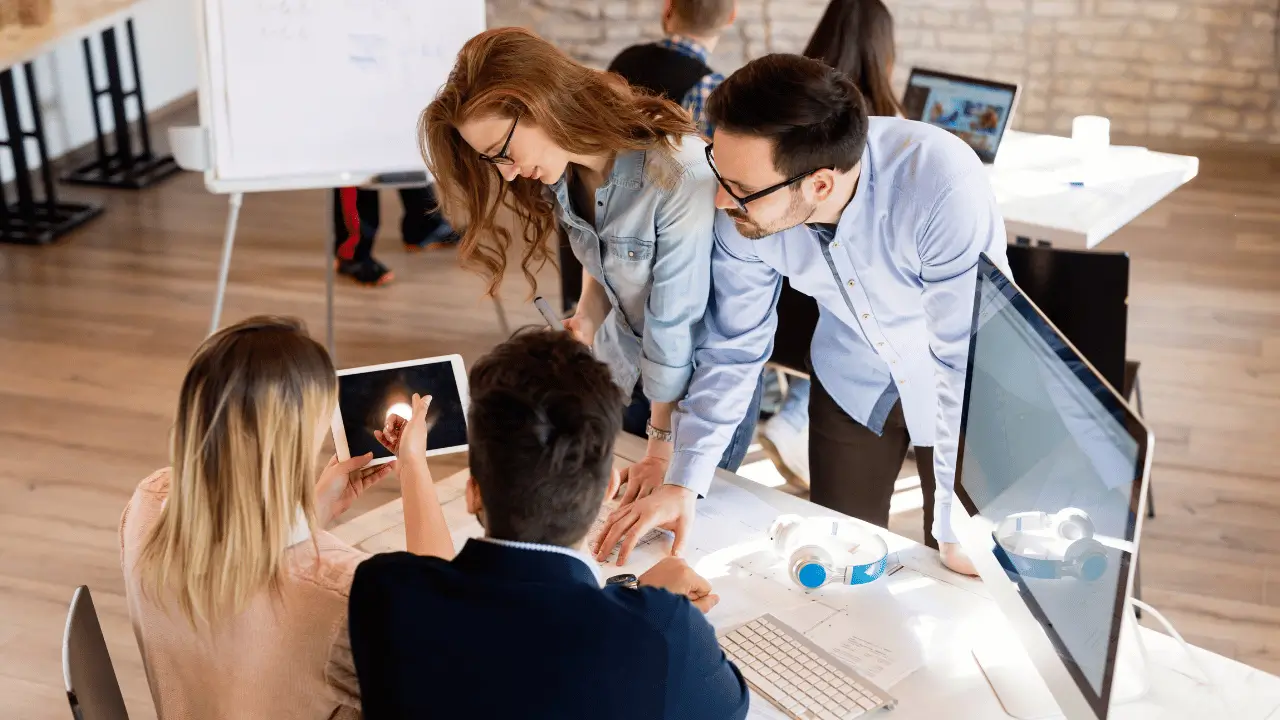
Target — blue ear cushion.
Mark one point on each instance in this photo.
(812, 575)
(1093, 567)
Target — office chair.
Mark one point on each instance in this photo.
(92, 688)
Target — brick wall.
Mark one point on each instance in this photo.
(1197, 69)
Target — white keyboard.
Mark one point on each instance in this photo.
(802, 679)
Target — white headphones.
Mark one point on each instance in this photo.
(1044, 546)
(805, 544)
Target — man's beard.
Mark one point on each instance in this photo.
(796, 215)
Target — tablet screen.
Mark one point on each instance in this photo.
(365, 398)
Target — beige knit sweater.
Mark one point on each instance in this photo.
(285, 658)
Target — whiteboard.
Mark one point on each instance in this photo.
(321, 93)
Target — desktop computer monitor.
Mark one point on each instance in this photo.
(975, 110)
(1051, 476)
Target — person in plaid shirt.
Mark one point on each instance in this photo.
(676, 66)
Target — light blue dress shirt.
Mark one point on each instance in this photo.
(895, 290)
(652, 255)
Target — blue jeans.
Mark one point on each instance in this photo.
(795, 406)
(636, 416)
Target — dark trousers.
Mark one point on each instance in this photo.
(636, 416)
(421, 219)
(852, 470)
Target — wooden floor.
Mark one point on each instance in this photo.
(95, 332)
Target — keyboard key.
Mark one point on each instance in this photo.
(761, 683)
(829, 715)
(866, 703)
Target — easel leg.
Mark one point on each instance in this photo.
(228, 242)
(330, 270)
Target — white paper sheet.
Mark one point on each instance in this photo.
(880, 645)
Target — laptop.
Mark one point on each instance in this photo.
(975, 110)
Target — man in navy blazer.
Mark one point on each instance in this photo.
(517, 625)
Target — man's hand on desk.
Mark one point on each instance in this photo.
(955, 559)
(670, 507)
(674, 575)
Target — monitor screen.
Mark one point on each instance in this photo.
(976, 111)
(367, 396)
(1052, 460)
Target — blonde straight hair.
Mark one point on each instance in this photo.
(243, 451)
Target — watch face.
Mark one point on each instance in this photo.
(627, 580)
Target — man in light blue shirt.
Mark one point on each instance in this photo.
(881, 220)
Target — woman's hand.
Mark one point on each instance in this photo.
(341, 483)
(582, 328)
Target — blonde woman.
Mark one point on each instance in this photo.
(238, 596)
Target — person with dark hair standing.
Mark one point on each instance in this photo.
(881, 220)
(517, 625)
(856, 38)
(355, 225)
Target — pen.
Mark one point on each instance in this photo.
(548, 314)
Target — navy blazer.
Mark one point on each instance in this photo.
(503, 632)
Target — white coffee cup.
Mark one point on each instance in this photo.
(1091, 135)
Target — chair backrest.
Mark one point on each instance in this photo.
(1085, 293)
(797, 319)
(92, 688)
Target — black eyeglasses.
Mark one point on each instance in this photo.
(741, 202)
(501, 158)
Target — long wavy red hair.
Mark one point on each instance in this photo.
(511, 72)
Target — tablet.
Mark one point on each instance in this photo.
(367, 395)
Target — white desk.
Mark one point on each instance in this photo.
(1032, 179)
(942, 610)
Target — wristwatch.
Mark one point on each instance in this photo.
(625, 580)
(656, 434)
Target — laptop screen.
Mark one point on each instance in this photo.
(976, 111)
(1052, 460)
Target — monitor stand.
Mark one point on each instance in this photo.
(1024, 695)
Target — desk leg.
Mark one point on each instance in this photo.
(120, 167)
(228, 242)
(36, 218)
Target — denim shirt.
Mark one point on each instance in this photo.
(895, 288)
(652, 255)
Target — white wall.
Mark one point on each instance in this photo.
(166, 36)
